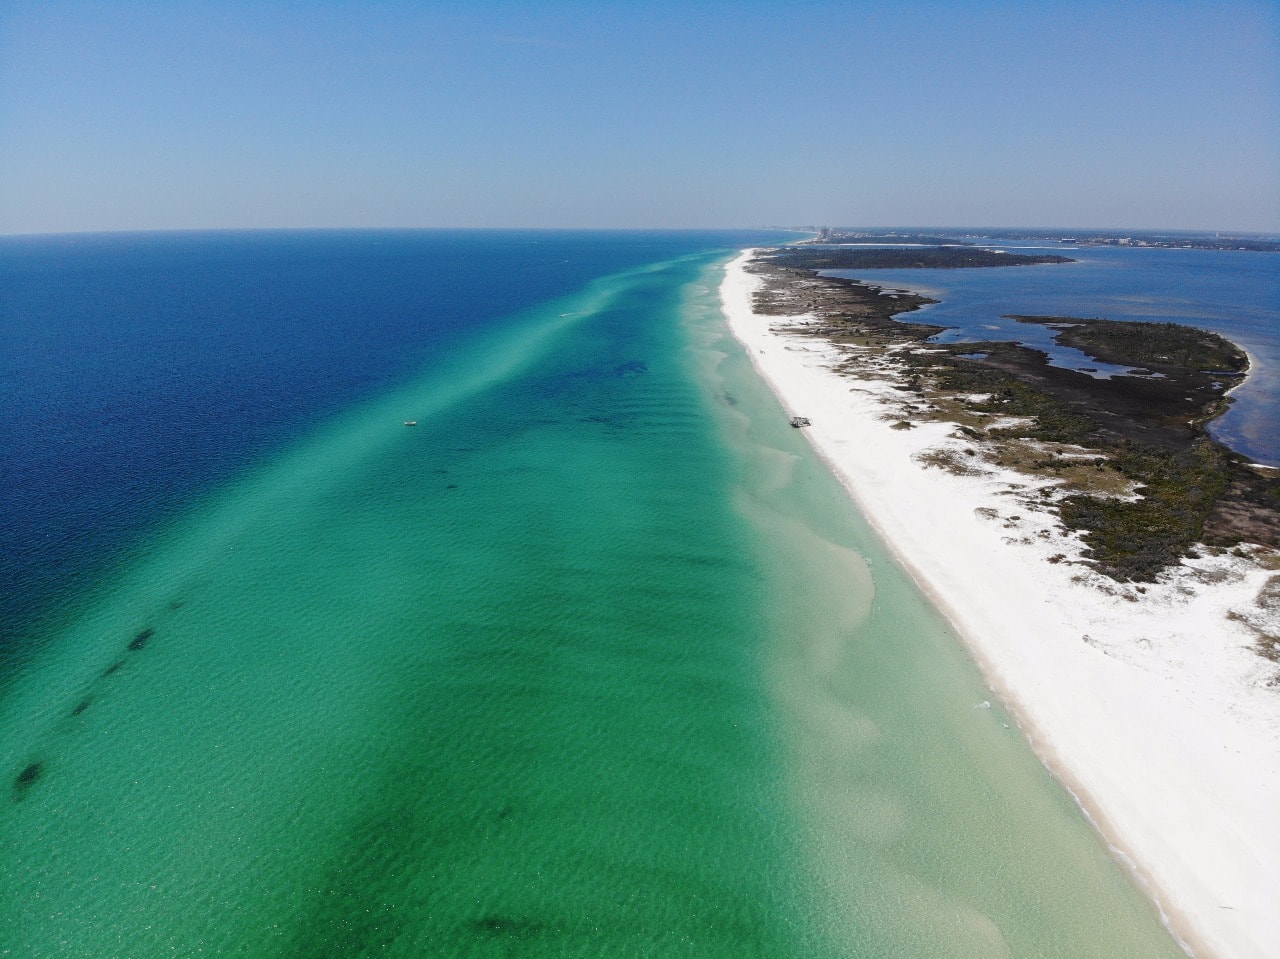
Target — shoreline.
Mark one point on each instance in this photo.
(1146, 703)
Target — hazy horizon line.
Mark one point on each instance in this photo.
(878, 228)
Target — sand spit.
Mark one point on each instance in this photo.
(1150, 703)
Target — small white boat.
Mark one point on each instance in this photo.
(410, 422)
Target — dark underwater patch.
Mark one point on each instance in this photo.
(26, 779)
(140, 641)
(82, 706)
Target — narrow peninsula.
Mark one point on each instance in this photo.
(1112, 568)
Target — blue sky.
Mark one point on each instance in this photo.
(190, 115)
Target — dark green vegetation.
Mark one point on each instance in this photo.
(1136, 539)
(938, 257)
(1147, 431)
(1150, 431)
(1162, 347)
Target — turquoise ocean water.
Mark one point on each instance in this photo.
(594, 660)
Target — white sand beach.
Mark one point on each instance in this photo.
(1149, 703)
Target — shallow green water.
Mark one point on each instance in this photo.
(595, 660)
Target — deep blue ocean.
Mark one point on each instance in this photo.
(138, 371)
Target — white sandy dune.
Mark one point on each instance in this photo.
(1151, 706)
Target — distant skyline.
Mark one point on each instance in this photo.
(1131, 115)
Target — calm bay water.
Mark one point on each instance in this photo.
(1235, 293)
(596, 659)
